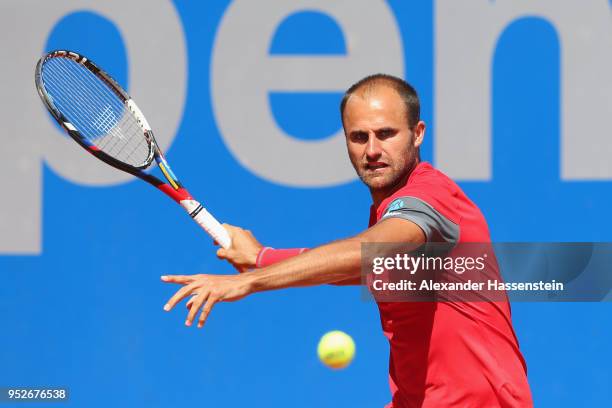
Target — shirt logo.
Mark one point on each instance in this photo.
(395, 206)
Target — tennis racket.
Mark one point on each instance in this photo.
(101, 117)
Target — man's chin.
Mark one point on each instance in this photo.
(377, 182)
(383, 181)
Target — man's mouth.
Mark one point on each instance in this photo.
(373, 166)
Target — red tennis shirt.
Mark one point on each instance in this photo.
(448, 354)
(444, 354)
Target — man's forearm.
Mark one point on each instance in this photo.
(338, 262)
(348, 282)
(269, 256)
(335, 262)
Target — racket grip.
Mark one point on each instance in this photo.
(207, 222)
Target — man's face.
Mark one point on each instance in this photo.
(381, 146)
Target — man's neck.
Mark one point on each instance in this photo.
(379, 195)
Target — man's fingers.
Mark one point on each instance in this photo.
(181, 294)
(222, 253)
(182, 279)
(206, 311)
(195, 306)
(190, 301)
(231, 229)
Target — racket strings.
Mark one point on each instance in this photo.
(61, 81)
(109, 135)
(113, 131)
(96, 111)
(55, 87)
(110, 102)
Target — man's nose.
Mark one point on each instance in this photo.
(373, 148)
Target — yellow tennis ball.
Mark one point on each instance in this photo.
(336, 349)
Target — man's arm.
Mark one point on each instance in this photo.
(247, 253)
(335, 262)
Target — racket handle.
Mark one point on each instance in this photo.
(207, 222)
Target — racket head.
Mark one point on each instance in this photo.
(95, 111)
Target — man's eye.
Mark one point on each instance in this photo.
(386, 133)
(360, 137)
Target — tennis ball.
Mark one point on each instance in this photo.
(336, 349)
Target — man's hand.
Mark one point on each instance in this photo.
(206, 290)
(244, 250)
(339, 261)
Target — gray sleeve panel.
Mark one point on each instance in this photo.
(437, 228)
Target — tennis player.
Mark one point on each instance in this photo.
(442, 354)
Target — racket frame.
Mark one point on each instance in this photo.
(174, 189)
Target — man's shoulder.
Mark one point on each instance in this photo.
(426, 179)
(437, 190)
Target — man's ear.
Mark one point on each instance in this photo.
(419, 133)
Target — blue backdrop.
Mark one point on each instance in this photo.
(86, 312)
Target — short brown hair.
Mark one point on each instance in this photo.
(403, 88)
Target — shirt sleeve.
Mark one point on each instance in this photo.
(435, 226)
